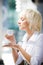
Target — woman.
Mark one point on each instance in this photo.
(30, 48)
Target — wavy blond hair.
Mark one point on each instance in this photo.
(34, 17)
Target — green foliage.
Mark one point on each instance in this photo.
(12, 4)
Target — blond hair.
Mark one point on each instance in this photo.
(34, 17)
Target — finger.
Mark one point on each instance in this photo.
(7, 36)
(6, 46)
(11, 46)
(16, 45)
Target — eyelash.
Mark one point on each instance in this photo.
(22, 19)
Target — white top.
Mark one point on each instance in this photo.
(34, 47)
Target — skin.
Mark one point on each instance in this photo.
(23, 25)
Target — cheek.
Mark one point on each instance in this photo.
(22, 26)
(26, 24)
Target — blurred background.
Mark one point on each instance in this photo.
(9, 14)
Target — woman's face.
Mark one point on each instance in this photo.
(23, 23)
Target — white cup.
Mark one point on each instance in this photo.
(10, 32)
(5, 40)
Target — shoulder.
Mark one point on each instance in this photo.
(40, 40)
(40, 36)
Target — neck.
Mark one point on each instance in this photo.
(29, 32)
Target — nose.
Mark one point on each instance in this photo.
(19, 21)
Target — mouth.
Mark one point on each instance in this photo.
(19, 23)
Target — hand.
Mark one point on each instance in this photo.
(11, 38)
(15, 46)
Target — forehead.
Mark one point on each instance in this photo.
(22, 14)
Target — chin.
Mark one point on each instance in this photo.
(22, 29)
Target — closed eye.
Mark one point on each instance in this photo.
(22, 18)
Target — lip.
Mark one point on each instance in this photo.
(19, 22)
